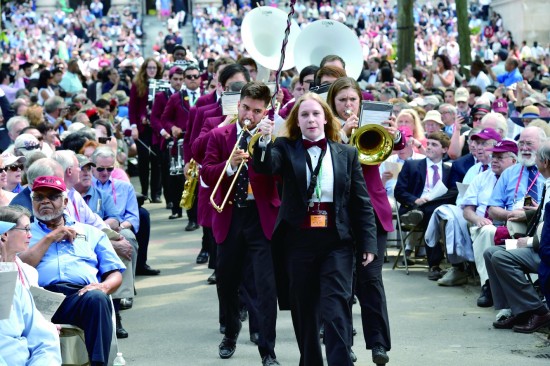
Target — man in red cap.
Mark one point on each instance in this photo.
(77, 260)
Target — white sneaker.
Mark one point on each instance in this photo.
(453, 277)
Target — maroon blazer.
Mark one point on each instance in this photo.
(220, 145)
(196, 127)
(176, 112)
(137, 108)
(207, 99)
(377, 191)
(285, 111)
(159, 105)
(200, 144)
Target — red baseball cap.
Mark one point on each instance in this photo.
(47, 181)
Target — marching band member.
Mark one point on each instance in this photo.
(138, 114)
(246, 223)
(344, 98)
(159, 105)
(318, 223)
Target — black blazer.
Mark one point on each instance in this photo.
(460, 168)
(410, 184)
(354, 214)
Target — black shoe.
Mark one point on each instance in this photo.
(227, 347)
(222, 329)
(120, 331)
(192, 226)
(354, 332)
(485, 299)
(322, 331)
(202, 258)
(175, 216)
(147, 271)
(156, 200)
(254, 337)
(169, 205)
(379, 355)
(352, 356)
(435, 274)
(229, 344)
(126, 303)
(212, 279)
(270, 361)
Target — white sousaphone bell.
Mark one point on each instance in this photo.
(328, 37)
(263, 31)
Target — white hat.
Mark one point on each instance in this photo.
(433, 116)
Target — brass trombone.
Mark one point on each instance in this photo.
(220, 207)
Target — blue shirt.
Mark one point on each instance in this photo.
(504, 194)
(510, 78)
(124, 196)
(23, 198)
(101, 203)
(82, 262)
(26, 338)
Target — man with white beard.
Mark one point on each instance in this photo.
(517, 190)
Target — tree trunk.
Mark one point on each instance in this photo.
(405, 34)
(463, 35)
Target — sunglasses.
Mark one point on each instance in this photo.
(15, 168)
(191, 77)
(102, 169)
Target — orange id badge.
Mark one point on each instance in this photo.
(318, 219)
(250, 190)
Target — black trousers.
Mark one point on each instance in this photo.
(92, 312)
(372, 297)
(320, 270)
(246, 237)
(148, 162)
(165, 175)
(142, 237)
(209, 244)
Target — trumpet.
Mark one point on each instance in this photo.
(220, 207)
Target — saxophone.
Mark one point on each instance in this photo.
(188, 195)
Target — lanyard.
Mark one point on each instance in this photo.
(519, 180)
(313, 183)
(76, 212)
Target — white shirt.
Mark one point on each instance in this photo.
(326, 174)
(474, 170)
(482, 81)
(394, 158)
(429, 183)
(479, 191)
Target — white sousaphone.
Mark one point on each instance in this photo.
(328, 37)
(263, 31)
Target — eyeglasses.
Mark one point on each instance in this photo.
(526, 144)
(27, 229)
(475, 118)
(500, 158)
(29, 148)
(51, 197)
(15, 168)
(102, 168)
(192, 77)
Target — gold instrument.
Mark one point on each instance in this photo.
(188, 195)
(253, 140)
(220, 207)
(373, 143)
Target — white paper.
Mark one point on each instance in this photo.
(438, 190)
(230, 103)
(8, 278)
(272, 86)
(47, 302)
(374, 113)
(462, 188)
(511, 244)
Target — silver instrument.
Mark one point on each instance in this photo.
(176, 157)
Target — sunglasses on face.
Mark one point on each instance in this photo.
(192, 77)
(103, 168)
(15, 168)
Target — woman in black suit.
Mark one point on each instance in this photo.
(319, 221)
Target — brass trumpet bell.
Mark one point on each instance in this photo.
(373, 143)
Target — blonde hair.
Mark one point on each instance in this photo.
(35, 115)
(418, 132)
(332, 127)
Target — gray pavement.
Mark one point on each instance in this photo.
(174, 320)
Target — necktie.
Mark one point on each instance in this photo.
(436, 177)
(192, 101)
(241, 190)
(531, 182)
(484, 167)
(322, 143)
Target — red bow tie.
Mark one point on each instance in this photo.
(321, 144)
